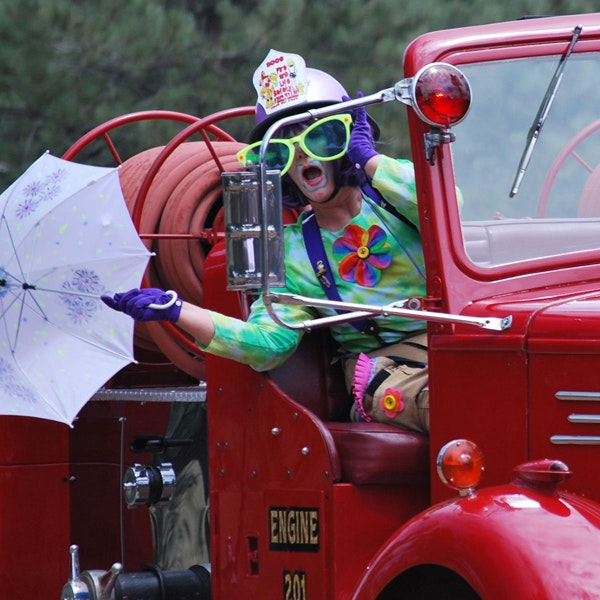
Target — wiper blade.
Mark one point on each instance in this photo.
(543, 110)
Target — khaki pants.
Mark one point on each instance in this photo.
(398, 393)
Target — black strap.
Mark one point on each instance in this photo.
(400, 360)
(383, 374)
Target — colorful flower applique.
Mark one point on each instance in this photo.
(364, 254)
(391, 402)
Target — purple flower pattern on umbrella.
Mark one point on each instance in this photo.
(39, 191)
(364, 254)
(81, 308)
(9, 381)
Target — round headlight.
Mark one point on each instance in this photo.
(148, 485)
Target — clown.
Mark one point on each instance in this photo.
(344, 243)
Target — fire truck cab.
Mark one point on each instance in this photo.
(274, 493)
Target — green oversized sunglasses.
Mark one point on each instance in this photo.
(325, 139)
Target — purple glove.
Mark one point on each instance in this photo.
(360, 148)
(147, 304)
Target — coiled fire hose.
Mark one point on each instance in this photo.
(184, 198)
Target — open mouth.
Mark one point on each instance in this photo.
(311, 173)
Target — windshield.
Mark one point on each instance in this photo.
(557, 207)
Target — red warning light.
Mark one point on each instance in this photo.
(441, 95)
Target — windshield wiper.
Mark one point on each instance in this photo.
(542, 113)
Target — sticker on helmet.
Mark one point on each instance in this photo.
(280, 81)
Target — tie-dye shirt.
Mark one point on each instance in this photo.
(376, 259)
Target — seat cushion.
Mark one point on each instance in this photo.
(380, 454)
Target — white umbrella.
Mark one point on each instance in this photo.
(66, 237)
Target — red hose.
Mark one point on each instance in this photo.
(184, 198)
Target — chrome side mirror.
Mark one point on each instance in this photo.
(244, 225)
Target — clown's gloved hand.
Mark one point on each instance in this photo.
(360, 148)
(147, 304)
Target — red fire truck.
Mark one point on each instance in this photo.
(254, 485)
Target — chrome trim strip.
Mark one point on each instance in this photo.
(578, 396)
(183, 394)
(576, 440)
(576, 418)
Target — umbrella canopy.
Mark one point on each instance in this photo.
(66, 237)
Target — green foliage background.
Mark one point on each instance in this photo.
(70, 65)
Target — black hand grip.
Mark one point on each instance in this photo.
(155, 443)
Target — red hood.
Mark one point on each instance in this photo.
(574, 320)
(574, 316)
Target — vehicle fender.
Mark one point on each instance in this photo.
(506, 542)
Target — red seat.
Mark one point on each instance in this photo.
(376, 453)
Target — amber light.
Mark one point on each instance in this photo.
(441, 95)
(460, 465)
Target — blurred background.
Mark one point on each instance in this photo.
(70, 65)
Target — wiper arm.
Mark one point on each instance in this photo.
(543, 110)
